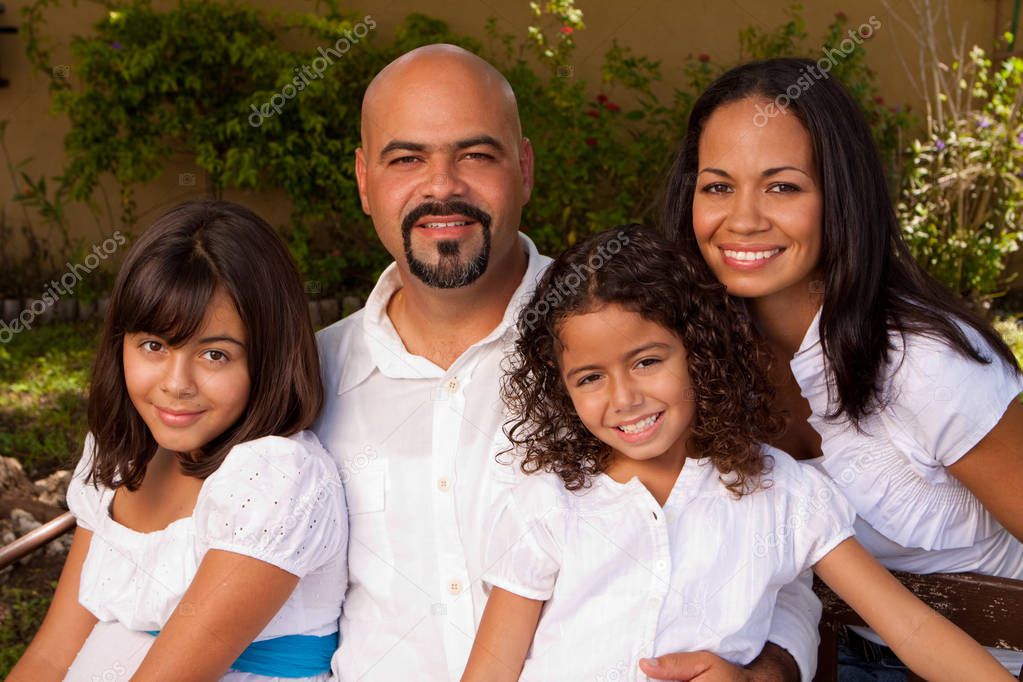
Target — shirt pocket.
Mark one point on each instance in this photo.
(366, 487)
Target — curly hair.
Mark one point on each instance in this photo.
(641, 271)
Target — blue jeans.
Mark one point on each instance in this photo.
(860, 660)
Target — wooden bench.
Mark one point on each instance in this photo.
(988, 609)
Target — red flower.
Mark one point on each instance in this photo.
(703, 57)
(593, 112)
(567, 30)
(879, 100)
(611, 106)
(591, 141)
(840, 16)
(601, 98)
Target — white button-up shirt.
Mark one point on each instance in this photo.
(625, 579)
(416, 445)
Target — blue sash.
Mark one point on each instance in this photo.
(287, 656)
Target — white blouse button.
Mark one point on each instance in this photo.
(452, 385)
(443, 484)
(455, 587)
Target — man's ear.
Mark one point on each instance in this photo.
(526, 168)
(360, 178)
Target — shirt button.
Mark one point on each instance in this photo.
(443, 484)
(452, 385)
(660, 564)
(455, 587)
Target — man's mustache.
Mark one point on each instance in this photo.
(445, 208)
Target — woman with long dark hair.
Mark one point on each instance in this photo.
(894, 388)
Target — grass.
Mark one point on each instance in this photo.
(45, 374)
(21, 612)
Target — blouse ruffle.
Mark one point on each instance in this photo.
(938, 405)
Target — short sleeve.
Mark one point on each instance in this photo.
(943, 403)
(85, 500)
(814, 514)
(522, 554)
(279, 500)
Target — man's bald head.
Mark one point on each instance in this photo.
(443, 168)
(439, 67)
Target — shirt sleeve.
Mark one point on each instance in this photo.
(279, 500)
(522, 555)
(85, 499)
(819, 514)
(943, 403)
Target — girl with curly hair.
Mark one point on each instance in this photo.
(655, 519)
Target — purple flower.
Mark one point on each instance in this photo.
(984, 122)
(1019, 139)
(116, 45)
(939, 145)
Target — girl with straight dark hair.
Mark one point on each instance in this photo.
(200, 487)
(894, 388)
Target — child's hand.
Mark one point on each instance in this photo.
(699, 666)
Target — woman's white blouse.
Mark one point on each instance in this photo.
(625, 579)
(279, 500)
(914, 515)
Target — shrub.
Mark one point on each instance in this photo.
(148, 85)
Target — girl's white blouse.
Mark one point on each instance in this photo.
(625, 579)
(276, 499)
(913, 514)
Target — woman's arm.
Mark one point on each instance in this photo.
(930, 645)
(66, 626)
(993, 470)
(502, 642)
(230, 601)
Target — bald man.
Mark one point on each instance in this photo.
(413, 410)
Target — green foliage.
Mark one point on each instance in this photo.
(21, 614)
(963, 192)
(45, 374)
(602, 160)
(233, 95)
(1011, 329)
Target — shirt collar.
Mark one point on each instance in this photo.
(378, 346)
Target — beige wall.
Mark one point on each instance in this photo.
(669, 30)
